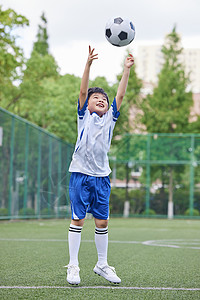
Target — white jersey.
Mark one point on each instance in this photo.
(90, 156)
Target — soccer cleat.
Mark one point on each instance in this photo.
(108, 273)
(73, 274)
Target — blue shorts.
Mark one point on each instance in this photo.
(89, 194)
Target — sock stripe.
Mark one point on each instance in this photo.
(105, 231)
(74, 229)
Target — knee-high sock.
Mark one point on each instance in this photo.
(74, 240)
(101, 241)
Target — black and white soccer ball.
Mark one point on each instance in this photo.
(120, 31)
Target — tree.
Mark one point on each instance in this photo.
(59, 115)
(11, 55)
(125, 122)
(11, 70)
(44, 97)
(167, 110)
(41, 46)
(39, 68)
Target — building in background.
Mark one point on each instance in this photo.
(149, 62)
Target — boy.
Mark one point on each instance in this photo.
(89, 187)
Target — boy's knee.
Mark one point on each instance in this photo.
(78, 222)
(101, 223)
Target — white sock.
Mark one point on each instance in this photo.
(101, 241)
(74, 240)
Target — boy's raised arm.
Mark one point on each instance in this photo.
(85, 78)
(124, 80)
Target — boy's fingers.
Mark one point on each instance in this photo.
(94, 56)
(91, 55)
(91, 52)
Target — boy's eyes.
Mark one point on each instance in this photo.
(96, 97)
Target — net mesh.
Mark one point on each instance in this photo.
(34, 176)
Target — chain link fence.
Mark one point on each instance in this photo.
(34, 176)
(156, 175)
(153, 175)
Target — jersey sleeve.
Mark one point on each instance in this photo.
(115, 112)
(82, 115)
(81, 112)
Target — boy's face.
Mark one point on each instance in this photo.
(98, 103)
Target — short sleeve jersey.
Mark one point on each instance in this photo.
(90, 156)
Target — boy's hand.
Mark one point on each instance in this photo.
(129, 61)
(91, 56)
(85, 78)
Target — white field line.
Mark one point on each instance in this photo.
(61, 240)
(173, 243)
(102, 287)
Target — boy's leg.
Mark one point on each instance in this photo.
(78, 208)
(74, 240)
(101, 241)
(77, 193)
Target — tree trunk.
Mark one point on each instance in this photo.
(127, 180)
(6, 158)
(127, 203)
(170, 200)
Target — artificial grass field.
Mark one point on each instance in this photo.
(33, 253)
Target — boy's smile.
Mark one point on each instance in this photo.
(98, 103)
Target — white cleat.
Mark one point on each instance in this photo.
(108, 273)
(73, 274)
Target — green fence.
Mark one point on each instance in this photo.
(156, 174)
(152, 174)
(33, 170)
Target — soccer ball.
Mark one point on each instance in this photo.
(119, 31)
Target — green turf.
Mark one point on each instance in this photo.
(40, 262)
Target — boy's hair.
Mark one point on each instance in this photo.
(97, 90)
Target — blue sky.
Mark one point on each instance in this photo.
(73, 25)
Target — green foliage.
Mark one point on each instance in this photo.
(26, 212)
(167, 110)
(44, 97)
(158, 201)
(49, 100)
(195, 212)
(137, 201)
(3, 212)
(41, 46)
(59, 112)
(102, 82)
(47, 212)
(151, 212)
(32, 89)
(125, 124)
(117, 198)
(11, 55)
